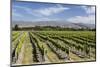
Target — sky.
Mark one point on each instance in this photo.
(33, 11)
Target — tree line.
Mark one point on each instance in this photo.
(50, 28)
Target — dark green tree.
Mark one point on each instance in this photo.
(16, 27)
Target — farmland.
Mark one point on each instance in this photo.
(39, 47)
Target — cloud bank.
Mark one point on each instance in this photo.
(82, 19)
(51, 10)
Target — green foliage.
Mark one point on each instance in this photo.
(81, 43)
(16, 27)
(20, 44)
(51, 28)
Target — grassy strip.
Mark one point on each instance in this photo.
(20, 44)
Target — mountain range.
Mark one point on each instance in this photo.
(53, 23)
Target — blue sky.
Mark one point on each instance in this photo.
(30, 11)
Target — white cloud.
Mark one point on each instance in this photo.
(16, 11)
(90, 18)
(41, 12)
(46, 19)
(83, 19)
(26, 9)
(41, 19)
(16, 15)
(50, 10)
(89, 9)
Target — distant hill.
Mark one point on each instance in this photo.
(64, 24)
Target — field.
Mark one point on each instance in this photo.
(39, 47)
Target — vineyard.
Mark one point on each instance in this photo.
(39, 47)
